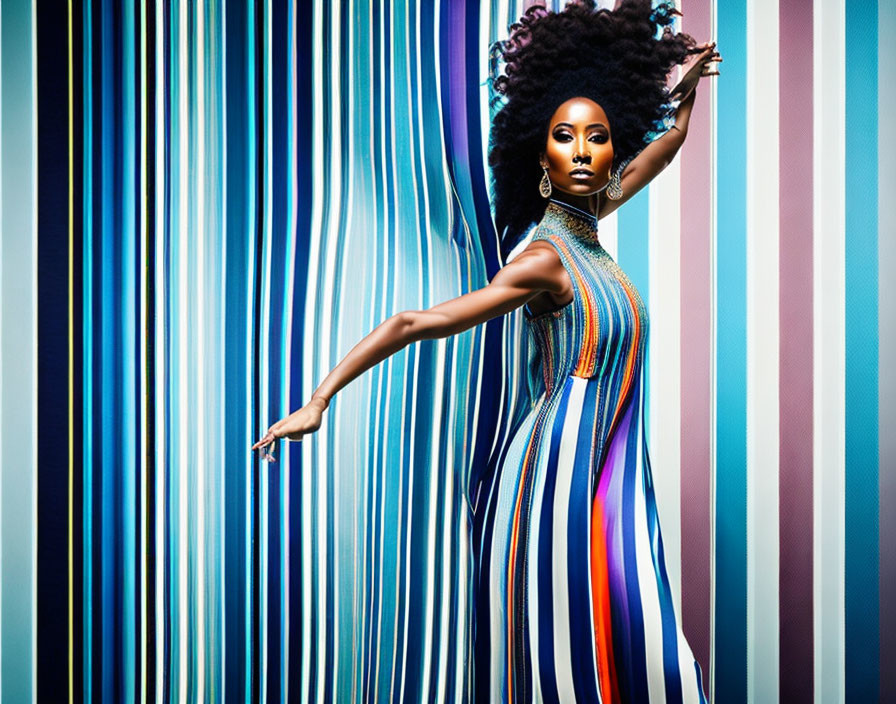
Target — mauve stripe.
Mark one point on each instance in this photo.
(795, 311)
(696, 321)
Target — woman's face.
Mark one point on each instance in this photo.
(579, 139)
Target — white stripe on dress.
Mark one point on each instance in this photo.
(560, 570)
(647, 578)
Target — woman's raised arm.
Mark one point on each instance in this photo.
(657, 155)
(535, 270)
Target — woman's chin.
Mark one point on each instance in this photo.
(580, 189)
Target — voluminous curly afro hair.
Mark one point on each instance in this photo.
(619, 58)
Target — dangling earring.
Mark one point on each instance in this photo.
(545, 186)
(614, 188)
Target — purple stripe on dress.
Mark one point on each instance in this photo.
(610, 493)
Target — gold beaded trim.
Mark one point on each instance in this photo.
(581, 226)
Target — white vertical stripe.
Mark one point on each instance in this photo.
(608, 234)
(264, 350)
(413, 153)
(762, 444)
(201, 401)
(183, 371)
(318, 362)
(222, 315)
(385, 377)
(392, 162)
(560, 548)
(314, 454)
(336, 234)
(144, 438)
(533, 566)
(829, 403)
(452, 516)
(664, 368)
(368, 507)
(286, 476)
(434, 477)
(651, 613)
(161, 388)
(713, 354)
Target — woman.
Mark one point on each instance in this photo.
(572, 597)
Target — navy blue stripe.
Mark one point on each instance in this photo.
(545, 557)
(237, 147)
(52, 362)
(633, 683)
(579, 560)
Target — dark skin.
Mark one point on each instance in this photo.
(579, 136)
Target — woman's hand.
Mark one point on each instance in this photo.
(701, 67)
(305, 420)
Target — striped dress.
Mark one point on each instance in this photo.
(572, 597)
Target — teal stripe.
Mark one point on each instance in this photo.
(862, 638)
(88, 351)
(730, 607)
(128, 420)
(18, 351)
(634, 259)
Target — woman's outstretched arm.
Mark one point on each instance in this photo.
(535, 270)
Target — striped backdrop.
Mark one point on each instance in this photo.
(205, 205)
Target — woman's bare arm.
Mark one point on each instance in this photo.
(535, 270)
(655, 157)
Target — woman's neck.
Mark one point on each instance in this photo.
(587, 204)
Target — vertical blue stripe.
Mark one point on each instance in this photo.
(861, 647)
(730, 608)
(634, 259)
(88, 353)
(129, 417)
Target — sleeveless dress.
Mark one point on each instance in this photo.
(572, 597)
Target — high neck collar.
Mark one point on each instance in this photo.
(579, 222)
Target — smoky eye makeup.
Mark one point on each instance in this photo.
(601, 135)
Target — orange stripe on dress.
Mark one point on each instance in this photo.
(600, 594)
(588, 351)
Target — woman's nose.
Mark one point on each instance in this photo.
(581, 153)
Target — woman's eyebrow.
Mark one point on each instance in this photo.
(593, 124)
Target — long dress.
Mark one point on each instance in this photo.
(572, 597)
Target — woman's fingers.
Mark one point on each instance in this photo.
(268, 437)
(266, 440)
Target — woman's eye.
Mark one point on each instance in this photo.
(565, 137)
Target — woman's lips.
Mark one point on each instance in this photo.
(581, 174)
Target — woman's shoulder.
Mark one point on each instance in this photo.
(542, 257)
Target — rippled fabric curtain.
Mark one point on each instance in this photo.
(237, 193)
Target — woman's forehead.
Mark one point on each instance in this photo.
(579, 110)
